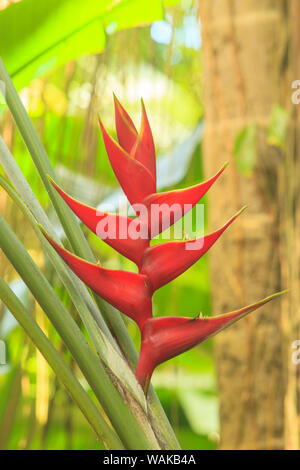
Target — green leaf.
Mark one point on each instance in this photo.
(2, 93)
(37, 213)
(93, 370)
(59, 366)
(66, 216)
(112, 317)
(38, 35)
(245, 151)
(103, 345)
(171, 3)
(129, 14)
(277, 127)
(201, 411)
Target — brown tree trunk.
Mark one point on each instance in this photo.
(247, 59)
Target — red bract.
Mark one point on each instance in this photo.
(143, 150)
(126, 130)
(164, 209)
(164, 338)
(133, 162)
(128, 292)
(126, 168)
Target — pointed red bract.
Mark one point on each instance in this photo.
(113, 229)
(164, 209)
(163, 263)
(136, 181)
(167, 337)
(144, 150)
(126, 131)
(128, 292)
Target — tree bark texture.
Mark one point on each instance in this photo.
(249, 56)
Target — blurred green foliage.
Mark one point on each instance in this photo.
(278, 126)
(36, 36)
(245, 151)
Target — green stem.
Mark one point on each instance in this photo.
(77, 240)
(71, 282)
(24, 190)
(159, 419)
(66, 216)
(59, 366)
(91, 367)
(101, 338)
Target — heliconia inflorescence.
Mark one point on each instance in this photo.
(134, 164)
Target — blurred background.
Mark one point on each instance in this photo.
(233, 64)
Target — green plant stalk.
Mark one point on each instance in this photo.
(12, 400)
(104, 347)
(59, 366)
(111, 401)
(66, 276)
(78, 241)
(17, 178)
(66, 217)
(158, 418)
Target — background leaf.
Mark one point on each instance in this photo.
(277, 128)
(245, 150)
(38, 36)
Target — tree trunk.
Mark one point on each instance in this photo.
(247, 59)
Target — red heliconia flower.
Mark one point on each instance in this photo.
(133, 162)
(167, 337)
